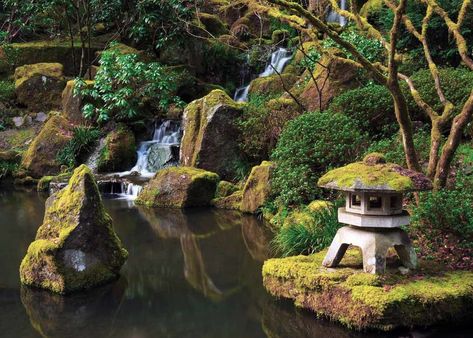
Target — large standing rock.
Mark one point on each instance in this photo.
(257, 188)
(273, 84)
(76, 247)
(39, 86)
(72, 103)
(210, 139)
(40, 158)
(119, 151)
(333, 76)
(179, 187)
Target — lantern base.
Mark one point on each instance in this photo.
(374, 246)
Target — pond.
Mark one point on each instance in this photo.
(189, 274)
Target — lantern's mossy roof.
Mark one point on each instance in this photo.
(374, 174)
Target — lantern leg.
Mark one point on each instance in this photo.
(335, 252)
(374, 257)
(407, 255)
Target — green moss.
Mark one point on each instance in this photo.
(212, 24)
(119, 151)
(225, 189)
(371, 7)
(272, 85)
(257, 188)
(362, 301)
(23, 73)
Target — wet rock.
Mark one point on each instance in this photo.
(273, 84)
(161, 156)
(179, 187)
(231, 202)
(39, 86)
(257, 188)
(119, 151)
(76, 247)
(40, 158)
(210, 139)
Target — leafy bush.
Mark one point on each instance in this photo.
(444, 50)
(124, 86)
(372, 49)
(457, 84)
(311, 233)
(394, 151)
(309, 146)
(7, 91)
(371, 106)
(82, 142)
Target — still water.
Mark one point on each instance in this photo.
(189, 274)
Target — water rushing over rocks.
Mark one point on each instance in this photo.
(279, 60)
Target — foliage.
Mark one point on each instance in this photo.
(371, 106)
(124, 85)
(81, 143)
(457, 84)
(444, 50)
(159, 22)
(394, 152)
(309, 234)
(7, 91)
(307, 148)
(7, 168)
(446, 212)
(372, 49)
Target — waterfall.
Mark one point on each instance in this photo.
(119, 188)
(335, 17)
(160, 152)
(278, 61)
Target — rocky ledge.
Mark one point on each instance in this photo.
(364, 301)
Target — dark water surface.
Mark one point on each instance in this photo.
(189, 274)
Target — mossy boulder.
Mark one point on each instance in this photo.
(273, 84)
(179, 187)
(333, 76)
(257, 188)
(231, 202)
(210, 139)
(76, 247)
(44, 184)
(73, 103)
(364, 301)
(212, 24)
(40, 158)
(225, 189)
(371, 7)
(39, 86)
(119, 151)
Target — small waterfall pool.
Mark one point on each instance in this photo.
(276, 64)
(160, 152)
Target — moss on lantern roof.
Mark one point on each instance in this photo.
(374, 174)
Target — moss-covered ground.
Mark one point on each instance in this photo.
(427, 296)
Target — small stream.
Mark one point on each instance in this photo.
(194, 273)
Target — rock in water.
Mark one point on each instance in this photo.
(257, 188)
(179, 187)
(76, 247)
(210, 139)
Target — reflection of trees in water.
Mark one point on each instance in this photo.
(87, 314)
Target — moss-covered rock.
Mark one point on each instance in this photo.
(45, 182)
(374, 174)
(272, 85)
(76, 247)
(119, 151)
(210, 139)
(360, 300)
(257, 188)
(371, 7)
(333, 76)
(225, 189)
(72, 104)
(212, 24)
(40, 158)
(231, 202)
(179, 187)
(39, 86)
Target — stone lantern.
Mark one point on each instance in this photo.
(373, 211)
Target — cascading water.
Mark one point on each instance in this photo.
(279, 60)
(335, 17)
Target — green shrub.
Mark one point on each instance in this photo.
(309, 146)
(309, 234)
(82, 142)
(371, 106)
(124, 86)
(457, 84)
(446, 212)
(394, 151)
(7, 91)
